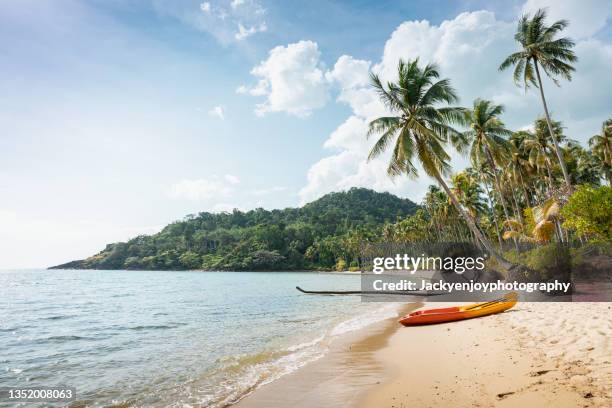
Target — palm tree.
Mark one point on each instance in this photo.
(601, 146)
(420, 128)
(541, 48)
(543, 219)
(468, 193)
(482, 174)
(487, 138)
(538, 148)
(583, 166)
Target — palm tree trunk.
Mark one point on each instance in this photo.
(499, 191)
(472, 225)
(550, 129)
(550, 179)
(517, 210)
(527, 199)
(493, 214)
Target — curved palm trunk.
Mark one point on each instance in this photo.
(550, 129)
(472, 225)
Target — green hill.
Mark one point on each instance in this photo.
(314, 236)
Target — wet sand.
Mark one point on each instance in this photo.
(339, 379)
(535, 355)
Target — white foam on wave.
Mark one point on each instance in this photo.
(307, 352)
(384, 312)
(294, 357)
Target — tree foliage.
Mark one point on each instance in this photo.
(589, 212)
(315, 236)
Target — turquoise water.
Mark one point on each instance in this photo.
(179, 339)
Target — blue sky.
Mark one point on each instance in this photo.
(121, 116)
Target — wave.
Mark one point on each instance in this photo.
(238, 376)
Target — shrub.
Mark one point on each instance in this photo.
(589, 212)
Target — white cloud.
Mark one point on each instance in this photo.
(236, 3)
(231, 179)
(348, 166)
(468, 50)
(586, 17)
(204, 189)
(218, 112)
(353, 78)
(291, 79)
(205, 7)
(220, 18)
(244, 32)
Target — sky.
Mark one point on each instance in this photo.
(120, 116)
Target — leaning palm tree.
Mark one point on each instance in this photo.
(601, 146)
(419, 129)
(554, 55)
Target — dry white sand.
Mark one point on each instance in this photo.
(535, 355)
(575, 338)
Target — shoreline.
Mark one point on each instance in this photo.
(496, 361)
(339, 378)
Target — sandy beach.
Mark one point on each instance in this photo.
(535, 355)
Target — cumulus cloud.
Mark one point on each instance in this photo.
(468, 50)
(204, 189)
(291, 79)
(218, 112)
(348, 167)
(352, 76)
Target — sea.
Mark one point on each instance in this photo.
(167, 338)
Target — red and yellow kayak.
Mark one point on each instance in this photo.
(451, 314)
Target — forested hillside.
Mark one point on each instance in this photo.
(322, 234)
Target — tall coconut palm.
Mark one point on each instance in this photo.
(487, 137)
(601, 146)
(554, 55)
(419, 129)
(538, 148)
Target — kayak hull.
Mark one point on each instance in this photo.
(451, 314)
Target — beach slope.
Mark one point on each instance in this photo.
(536, 355)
